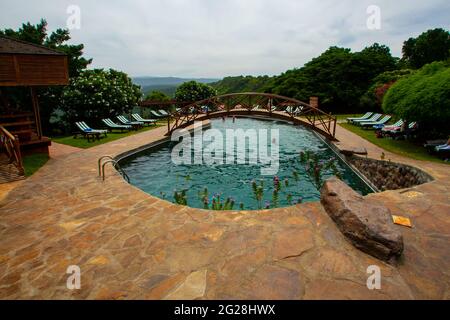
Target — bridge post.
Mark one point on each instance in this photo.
(314, 102)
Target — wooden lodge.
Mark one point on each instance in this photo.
(31, 66)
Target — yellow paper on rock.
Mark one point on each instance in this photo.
(403, 221)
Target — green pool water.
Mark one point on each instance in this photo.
(154, 172)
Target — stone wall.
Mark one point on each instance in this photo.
(386, 175)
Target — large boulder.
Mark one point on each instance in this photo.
(366, 223)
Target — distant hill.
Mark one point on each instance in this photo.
(242, 84)
(168, 85)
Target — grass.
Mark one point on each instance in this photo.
(33, 162)
(81, 142)
(341, 117)
(402, 147)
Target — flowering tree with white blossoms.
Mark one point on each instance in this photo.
(97, 94)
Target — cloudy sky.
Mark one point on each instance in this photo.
(216, 38)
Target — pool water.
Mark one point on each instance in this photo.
(154, 172)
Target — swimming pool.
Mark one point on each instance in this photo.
(202, 185)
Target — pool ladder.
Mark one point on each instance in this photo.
(115, 164)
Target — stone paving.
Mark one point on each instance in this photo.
(130, 245)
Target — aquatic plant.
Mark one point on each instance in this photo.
(180, 197)
(289, 198)
(216, 202)
(316, 169)
(258, 192)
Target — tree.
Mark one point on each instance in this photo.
(338, 77)
(373, 98)
(241, 84)
(49, 97)
(157, 96)
(424, 97)
(192, 91)
(38, 34)
(97, 94)
(432, 45)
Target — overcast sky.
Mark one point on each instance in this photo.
(216, 38)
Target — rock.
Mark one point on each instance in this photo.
(350, 152)
(365, 223)
(192, 288)
(387, 175)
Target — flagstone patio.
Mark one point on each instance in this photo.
(130, 245)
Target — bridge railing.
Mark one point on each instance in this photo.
(273, 105)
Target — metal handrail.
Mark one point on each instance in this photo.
(99, 163)
(115, 165)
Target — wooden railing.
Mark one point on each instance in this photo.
(271, 105)
(11, 146)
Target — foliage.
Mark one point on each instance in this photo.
(98, 94)
(373, 98)
(316, 169)
(49, 98)
(157, 96)
(180, 197)
(241, 84)
(338, 77)
(58, 39)
(258, 192)
(217, 202)
(423, 97)
(432, 45)
(192, 91)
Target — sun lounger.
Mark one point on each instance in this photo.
(163, 113)
(395, 126)
(371, 124)
(87, 133)
(135, 124)
(137, 117)
(156, 114)
(443, 151)
(430, 145)
(402, 132)
(111, 125)
(101, 131)
(373, 118)
(364, 117)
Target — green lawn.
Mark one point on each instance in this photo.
(342, 117)
(33, 162)
(401, 147)
(81, 142)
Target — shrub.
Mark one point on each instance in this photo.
(97, 94)
(373, 98)
(192, 91)
(423, 97)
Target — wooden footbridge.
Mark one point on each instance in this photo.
(255, 104)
